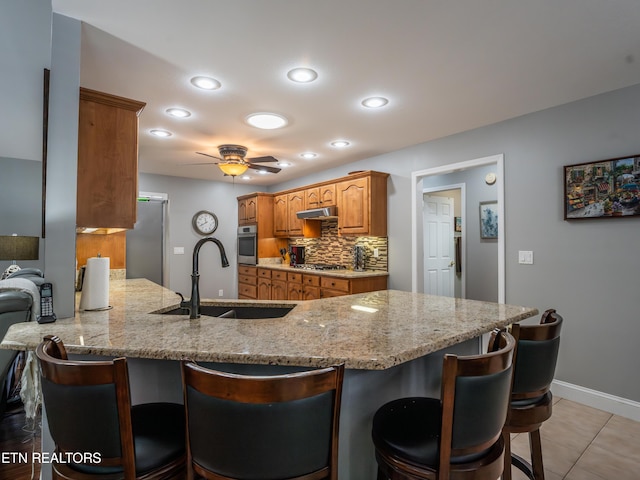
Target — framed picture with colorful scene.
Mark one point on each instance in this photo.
(603, 189)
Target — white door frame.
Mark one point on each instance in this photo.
(463, 213)
(416, 213)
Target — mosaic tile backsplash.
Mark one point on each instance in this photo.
(336, 249)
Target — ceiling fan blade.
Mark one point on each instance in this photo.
(268, 158)
(207, 155)
(265, 168)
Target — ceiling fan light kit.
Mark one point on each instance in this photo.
(234, 163)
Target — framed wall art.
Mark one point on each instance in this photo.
(489, 219)
(603, 189)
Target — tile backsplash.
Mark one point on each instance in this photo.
(337, 249)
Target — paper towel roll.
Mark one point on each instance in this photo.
(95, 288)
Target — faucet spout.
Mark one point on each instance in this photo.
(194, 302)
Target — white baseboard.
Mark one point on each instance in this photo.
(593, 398)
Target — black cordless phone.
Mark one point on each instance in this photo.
(46, 304)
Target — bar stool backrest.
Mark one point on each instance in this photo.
(262, 427)
(536, 356)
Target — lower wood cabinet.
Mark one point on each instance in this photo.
(247, 282)
(273, 284)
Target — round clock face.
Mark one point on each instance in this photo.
(205, 223)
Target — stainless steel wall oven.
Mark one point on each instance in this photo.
(248, 245)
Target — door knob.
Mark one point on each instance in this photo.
(452, 263)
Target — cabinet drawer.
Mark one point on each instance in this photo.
(249, 291)
(294, 277)
(243, 270)
(278, 275)
(249, 279)
(313, 280)
(335, 283)
(264, 273)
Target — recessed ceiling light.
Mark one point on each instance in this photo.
(178, 112)
(340, 144)
(284, 164)
(206, 83)
(266, 121)
(245, 177)
(308, 155)
(160, 133)
(375, 102)
(302, 75)
(262, 172)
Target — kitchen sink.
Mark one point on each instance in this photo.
(235, 312)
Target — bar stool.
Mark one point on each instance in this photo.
(262, 427)
(96, 431)
(531, 400)
(457, 436)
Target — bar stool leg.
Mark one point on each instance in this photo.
(506, 474)
(536, 455)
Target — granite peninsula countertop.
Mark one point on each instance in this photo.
(369, 331)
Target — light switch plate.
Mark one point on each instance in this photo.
(178, 250)
(525, 257)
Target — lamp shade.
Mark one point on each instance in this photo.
(233, 168)
(13, 247)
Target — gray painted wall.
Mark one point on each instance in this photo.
(186, 197)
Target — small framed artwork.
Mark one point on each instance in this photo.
(458, 224)
(603, 189)
(489, 219)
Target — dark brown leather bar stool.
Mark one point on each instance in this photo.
(262, 427)
(96, 431)
(457, 436)
(531, 400)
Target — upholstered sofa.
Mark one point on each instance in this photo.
(17, 304)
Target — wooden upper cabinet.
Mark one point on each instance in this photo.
(248, 210)
(322, 196)
(280, 216)
(362, 205)
(107, 186)
(295, 203)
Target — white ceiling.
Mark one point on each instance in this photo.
(446, 66)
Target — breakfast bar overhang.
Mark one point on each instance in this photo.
(391, 342)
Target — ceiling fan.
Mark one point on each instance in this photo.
(233, 161)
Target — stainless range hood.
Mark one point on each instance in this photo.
(318, 213)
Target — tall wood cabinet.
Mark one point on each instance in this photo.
(362, 204)
(107, 186)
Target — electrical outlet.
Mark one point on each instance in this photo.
(220, 293)
(376, 254)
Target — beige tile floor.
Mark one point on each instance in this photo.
(583, 443)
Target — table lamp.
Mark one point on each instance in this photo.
(14, 247)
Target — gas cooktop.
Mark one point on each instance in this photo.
(320, 266)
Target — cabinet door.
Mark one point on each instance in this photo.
(327, 195)
(107, 182)
(278, 290)
(252, 210)
(310, 292)
(280, 228)
(294, 291)
(242, 211)
(353, 206)
(295, 202)
(312, 198)
(264, 288)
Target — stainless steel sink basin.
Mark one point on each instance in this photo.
(235, 312)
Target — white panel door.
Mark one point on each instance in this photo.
(439, 259)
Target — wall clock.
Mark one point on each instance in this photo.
(204, 222)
